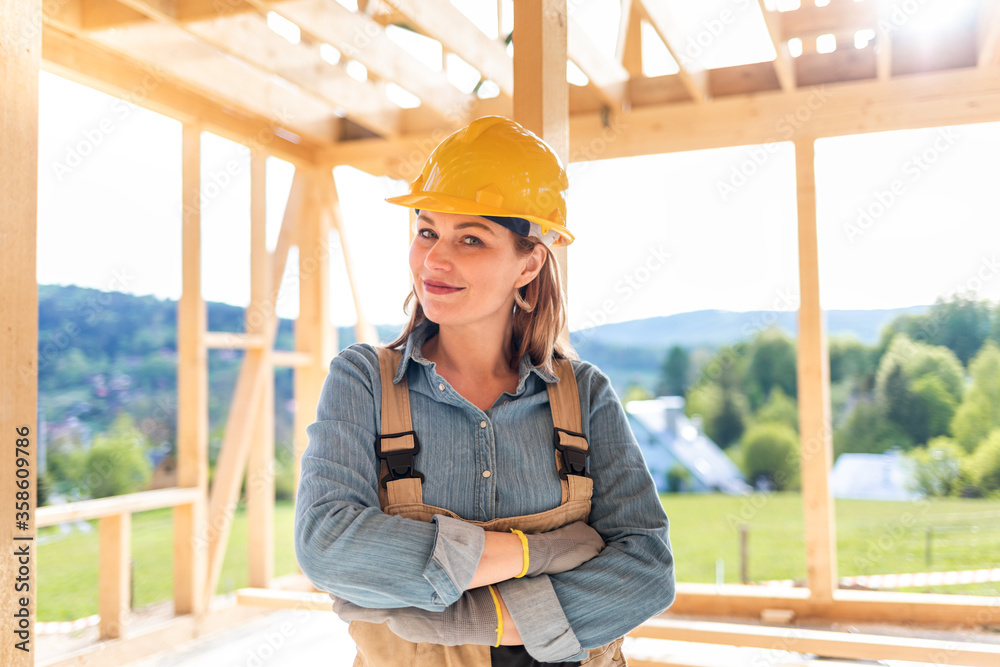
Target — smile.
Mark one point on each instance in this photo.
(440, 288)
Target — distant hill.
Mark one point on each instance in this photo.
(720, 327)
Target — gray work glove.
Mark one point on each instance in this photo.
(562, 549)
(472, 619)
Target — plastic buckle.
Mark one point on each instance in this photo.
(574, 458)
(400, 462)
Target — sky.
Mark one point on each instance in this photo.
(903, 217)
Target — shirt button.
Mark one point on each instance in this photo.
(441, 386)
(486, 473)
(482, 424)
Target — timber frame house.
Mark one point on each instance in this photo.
(216, 66)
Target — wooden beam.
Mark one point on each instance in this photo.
(314, 334)
(260, 470)
(667, 27)
(248, 38)
(989, 33)
(233, 456)
(829, 644)
(813, 366)
(839, 16)
(606, 75)
(360, 38)
(148, 86)
(129, 503)
(443, 22)
(21, 37)
(784, 66)
(541, 92)
(114, 591)
(629, 45)
(190, 538)
(226, 81)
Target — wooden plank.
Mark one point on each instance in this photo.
(283, 599)
(443, 22)
(692, 75)
(364, 330)
(21, 40)
(261, 465)
(288, 359)
(360, 38)
(233, 455)
(230, 340)
(248, 38)
(192, 392)
(226, 81)
(541, 92)
(629, 46)
(813, 371)
(839, 16)
(313, 330)
(129, 503)
(102, 69)
(114, 575)
(784, 67)
(826, 643)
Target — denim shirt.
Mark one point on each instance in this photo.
(346, 545)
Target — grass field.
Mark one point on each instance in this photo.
(873, 538)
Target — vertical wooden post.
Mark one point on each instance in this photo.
(21, 36)
(190, 530)
(629, 50)
(364, 330)
(541, 92)
(814, 390)
(114, 574)
(260, 469)
(313, 331)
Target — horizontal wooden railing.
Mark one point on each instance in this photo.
(114, 515)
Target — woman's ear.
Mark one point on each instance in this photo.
(535, 261)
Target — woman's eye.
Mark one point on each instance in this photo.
(425, 233)
(472, 240)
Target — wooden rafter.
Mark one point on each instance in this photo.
(840, 16)
(629, 45)
(989, 33)
(693, 76)
(784, 65)
(608, 76)
(246, 36)
(360, 38)
(443, 22)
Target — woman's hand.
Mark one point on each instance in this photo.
(471, 620)
(562, 549)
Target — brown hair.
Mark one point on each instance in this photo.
(535, 331)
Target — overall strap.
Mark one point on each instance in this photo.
(571, 446)
(397, 444)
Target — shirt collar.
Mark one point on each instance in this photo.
(426, 329)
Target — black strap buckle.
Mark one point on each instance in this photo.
(400, 462)
(574, 458)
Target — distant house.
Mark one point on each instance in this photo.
(670, 441)
(872, 477)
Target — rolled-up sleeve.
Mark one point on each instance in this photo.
(344, 543)
(538, 615)
(633, 577)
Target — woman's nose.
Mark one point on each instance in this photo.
(437, 256)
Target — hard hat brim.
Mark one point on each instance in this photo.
(435, 201)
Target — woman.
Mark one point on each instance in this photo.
(472, 494)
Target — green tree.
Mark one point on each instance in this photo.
(675, 376)
(635, 392)
(961, 324)
(772, 364)
(938, 468)
(979, 412)
(849, 359)
(985, 465)
(779, 408)
(116, 462)
(867, 431)
(771, 451)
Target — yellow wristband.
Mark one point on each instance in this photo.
(496, 602)
(524, 546)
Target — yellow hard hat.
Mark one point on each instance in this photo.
(496, 169)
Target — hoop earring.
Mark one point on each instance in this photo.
(521, 303)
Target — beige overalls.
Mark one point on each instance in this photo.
(400, 494)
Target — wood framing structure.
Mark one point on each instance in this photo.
(217, 66)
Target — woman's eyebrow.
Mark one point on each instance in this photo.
(461, 225)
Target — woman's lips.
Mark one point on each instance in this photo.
(440, 288)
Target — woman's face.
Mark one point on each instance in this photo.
(465, 268)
